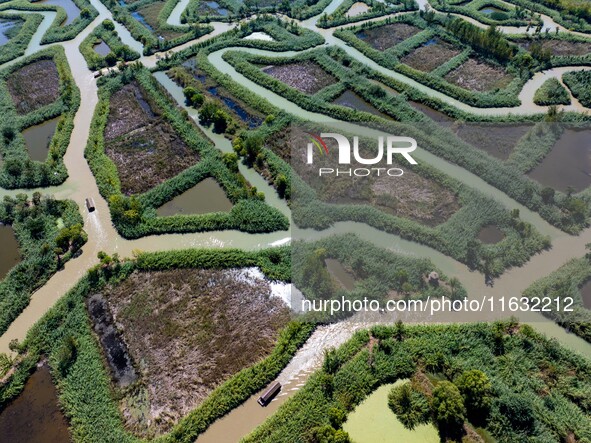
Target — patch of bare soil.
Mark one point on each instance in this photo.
(430, 55)
(479, 76)
(386, 36)
(34, 86)
(142, 144)
(559, 47)
(306, 76)
(415, 197)
(190, 330)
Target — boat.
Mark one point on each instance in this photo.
(269, 394)
(90, 205)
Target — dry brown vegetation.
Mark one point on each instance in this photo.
(429, 56)
(559, 47)
(304, 76)
(386, 36)
(479, 76)
(142, 144)
(190, 330)
(34, 86)
(414, 197)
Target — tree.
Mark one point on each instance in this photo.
(230, 159)
(252, 147)
(220, 121)
(328, 434)
(337, 417)
(410, 406)
(399, 330)
(36, 227)
(331, 361)
(476, 389)
(281, 185)
(193, 97)
(449, 411)
(111, 59)
(548, 195)
(108, 25)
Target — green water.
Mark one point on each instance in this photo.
(373, 422)
(208, 196)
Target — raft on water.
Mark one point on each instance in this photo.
(90, 205)
(273, 390)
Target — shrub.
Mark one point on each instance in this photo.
(449, 411)
(552, 93)
(579, 83)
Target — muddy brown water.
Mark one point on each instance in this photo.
(9, 252)
(490, 235)
(208, 196)
(351, 100)
(101, 48)
(433, 114)
(340, 274)
(497, 140)
(586, 294)
(38, 138)
(35, 416)
(568, 164)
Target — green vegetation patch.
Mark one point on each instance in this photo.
(463, 377)
(580, 85)
(34, 90)
(49, 233)
(155, 120)
(552, 93)
(118, 51)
